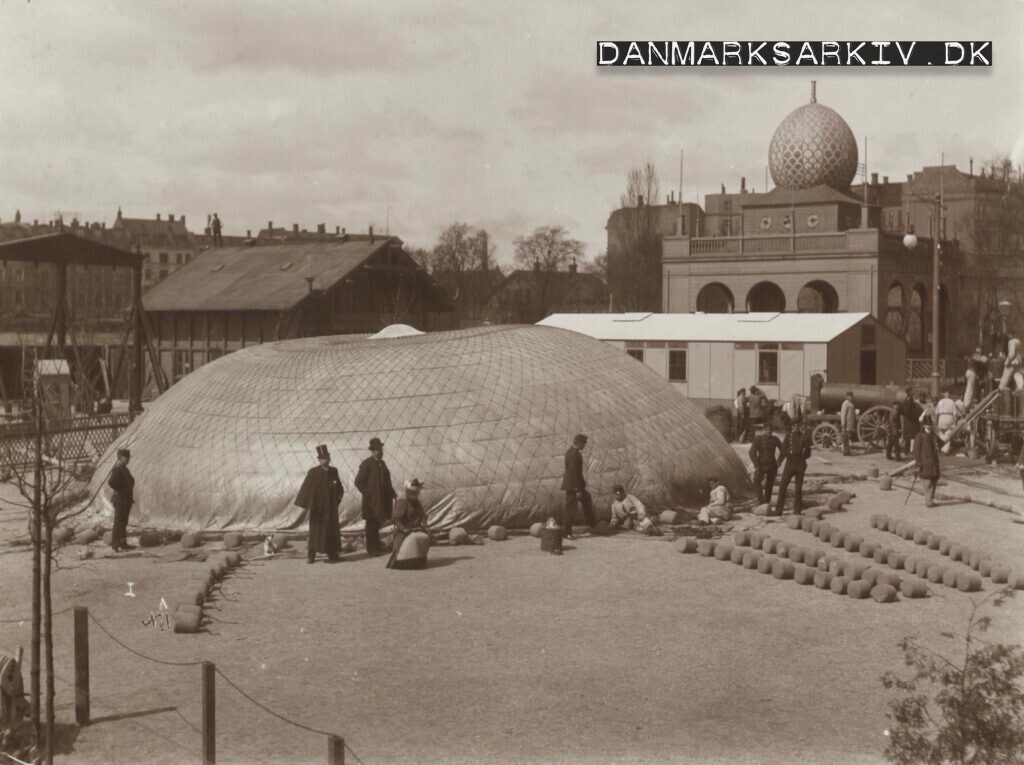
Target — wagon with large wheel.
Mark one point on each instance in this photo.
(871, 401)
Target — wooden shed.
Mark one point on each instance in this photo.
(708, 357)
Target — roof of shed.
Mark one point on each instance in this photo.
(709, 327)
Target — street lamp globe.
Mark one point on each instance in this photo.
(910, 240)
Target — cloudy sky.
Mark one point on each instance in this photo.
(484, 112)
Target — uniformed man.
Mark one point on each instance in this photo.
(847, 422)
(374, 482)
(763, 455)
(575, 486)
(123, 497)
(320, 495)
(796, 450)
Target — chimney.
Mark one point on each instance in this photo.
(248, 233)
(572, 266)
(743, 185)
(295, 228)
(371, 234)
(182, 220)
(170, 217)
(158, 216)
(972, 165)
(639, 200)
(723, 188)
(270, 228)
(874, 179)
(343, 232)
(337, 230)
(885, 179)
(321, 228)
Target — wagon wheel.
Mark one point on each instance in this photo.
(873, 427)
(825, 436)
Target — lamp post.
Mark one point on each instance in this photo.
(910, 242)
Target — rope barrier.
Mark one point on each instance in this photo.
(142, 655)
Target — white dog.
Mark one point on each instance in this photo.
(268, 546)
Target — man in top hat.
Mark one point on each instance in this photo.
(374, 482)
(926, 460)
(320, 495)
(123, 497)
(575, 486)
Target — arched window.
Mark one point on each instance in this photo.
(817, 297)
(916, 318)
(715, 298)
(766, 297)
(894, 308)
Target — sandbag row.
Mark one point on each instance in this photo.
(806, 566)
(187, 601)
(999, 573)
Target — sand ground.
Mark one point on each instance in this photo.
(621, 650)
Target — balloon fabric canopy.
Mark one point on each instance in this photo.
(482, 416)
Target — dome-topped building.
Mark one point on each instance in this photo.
(811, 147)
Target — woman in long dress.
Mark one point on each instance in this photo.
(412, 539)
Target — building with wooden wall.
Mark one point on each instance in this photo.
(229, 298)
(708, 357)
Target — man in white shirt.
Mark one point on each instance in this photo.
(628, 512)
(945, 413)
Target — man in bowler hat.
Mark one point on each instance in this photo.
(320, 495)
(374, 482)
(575, 486)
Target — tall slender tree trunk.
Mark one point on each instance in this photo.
(37, 541)
(48, 638)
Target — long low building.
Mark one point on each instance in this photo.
(708, 357)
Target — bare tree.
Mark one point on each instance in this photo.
(51, 488)
(547, 251)
(634, 243)
(462, 262)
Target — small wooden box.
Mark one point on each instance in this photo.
(551, 539)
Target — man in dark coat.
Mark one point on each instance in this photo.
(766, 464)
(320, 496)
(926, 459)
(910, 412)
(123, 497)
(894, 434)
(575, 486)
(796, 450)
(374, 482)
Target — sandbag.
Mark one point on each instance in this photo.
(910, 564)
(793, 522)
(955, 551)
(232, 540)
(934, 541)
(875, 520)
(825, 531)
(896, 560)
(949, 577)
(836, 567)
(723, 550)
(186, 622)
(968, 581)
(736, 556)
(985, 567)
(751, 557)
(871, 575)
(852, 542)
(840, 499)
(86, 536)
(815, 525)
(233, 559)
(281, 541)
(944, 546)
(149, 538)
(765, 564)
(671, 518)
(459, 536)
(822, 580)
(891, 578)
(742, 538)
(783, 569)
(535, 529)
(872, 472)
(757, 539)
(854, 569)
(62, 535)
(883, 593)
(913, 588)
(804, 574)
(807, 523)
(935, 574)
(837, 538)
(686, 545)
(500, 533)
(839, 584)
(867, 548)
(921, 567)
(191, 540)
(795, 554)
(811, 557)
(1001, 574)
(908, 532)
(706, 547)
(882, 554)
(858, 590)
(921, 536)
(975, 560)
(1016, 580)
(770, 545)
(817, 513)
(885, 482)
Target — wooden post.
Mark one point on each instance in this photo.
(82, 665)
(139, 371)
(209, 714)
(335, 750)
